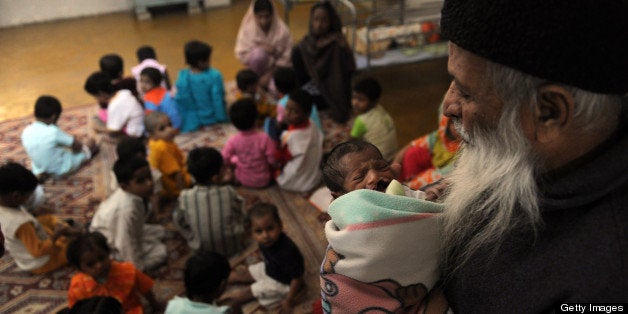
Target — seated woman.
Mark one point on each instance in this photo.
(324, 62)
(428, 158)
(263, 41)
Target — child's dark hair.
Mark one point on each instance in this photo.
(124, 168)
(261, 210)
(285, 79)
(333, 172)
(246, 78)
(86, 242)
(243, 113)
(204, 272)
(46, 106)
(153, 74)
(145, 52)
(112, 65)
(16, 178)
(197, 52)
(303, 99)
(204, 163)
(370, 87)
(97, 305)
(262, 6)
(130, 147)
(99, 82)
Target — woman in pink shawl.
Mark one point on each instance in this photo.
(263, 41)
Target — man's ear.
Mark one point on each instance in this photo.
(553, 112)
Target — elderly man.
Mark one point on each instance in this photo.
(537, 207)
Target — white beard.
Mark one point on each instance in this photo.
(492, 190)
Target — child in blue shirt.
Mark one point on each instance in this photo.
(200, 93)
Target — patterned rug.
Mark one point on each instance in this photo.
(78, 195)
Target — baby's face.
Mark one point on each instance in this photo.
(95, 263)
(164, 130)
(366, 170)
(146, 83)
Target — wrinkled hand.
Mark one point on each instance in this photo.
(436, 191)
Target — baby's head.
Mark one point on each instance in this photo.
(243, 114)
(206, 276)
(264, 224)
(89, 253)
(366, 93)
(98, 84)
(355, 165)
(285, 79)
(47, 109)
(149, 79)
(112, 65)
(17, 185)
(299, 107)
(247, 81)
(134, 176)
(130, 147)
(205, 164)
(197, 54)
(159, 127)
(145, 52)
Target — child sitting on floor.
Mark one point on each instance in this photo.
(285, 81)
(122, 216)
(210, 215)
(248, 86)
(250, 151)
(124, 113)
(147, 58)
(37, 244)
(52, 151)
(301, 146)
(165, 156)
(200, 93)
(156, 97)
(99, 275)
(280, 276)
(373, 122)
(361, 215)
(205, 280)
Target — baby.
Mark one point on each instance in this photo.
(383, 249)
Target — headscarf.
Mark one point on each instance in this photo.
(251, 35)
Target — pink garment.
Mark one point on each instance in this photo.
(258, 60)
(255, 152)
(250, 36)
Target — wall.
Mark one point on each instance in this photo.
(18, 12)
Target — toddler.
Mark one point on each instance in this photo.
(37, 244)
(250, 151)
(205, 280)
(99, 275)
(124, 113)
(113, 66)
(372, 235)
(156, 97)
(121, 217)
(210, 215)
(165, 156)
(52, 151)
(373, 123)
(147, 58)
(248, 86)
(280, 276)
(200, 93)
(301, 146)
(285, 81)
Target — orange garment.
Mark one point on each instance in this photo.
(166, 157)
(39, 247)
(124, 282)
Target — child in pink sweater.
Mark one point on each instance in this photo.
(250, 151)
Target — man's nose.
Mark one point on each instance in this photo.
(451, 105)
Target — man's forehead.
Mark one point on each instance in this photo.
(466, 68)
